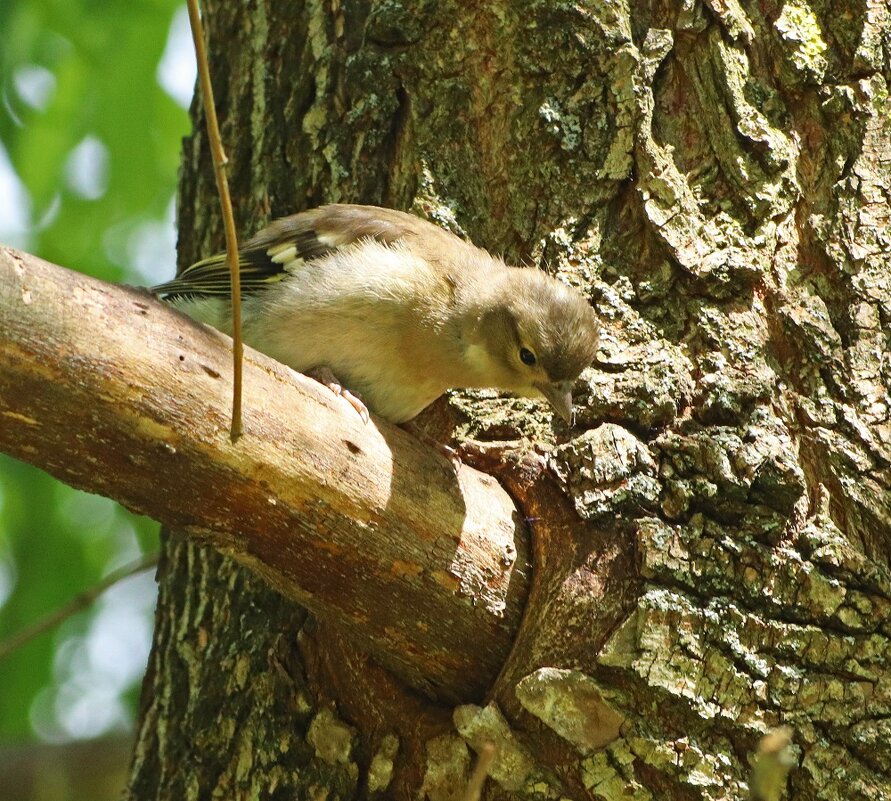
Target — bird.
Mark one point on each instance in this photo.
(396, 308)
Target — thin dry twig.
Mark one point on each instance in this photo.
(483, 763)
(77, 603)
(219, 163)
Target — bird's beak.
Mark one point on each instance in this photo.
(559, 395)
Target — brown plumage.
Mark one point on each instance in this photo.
(397, 308)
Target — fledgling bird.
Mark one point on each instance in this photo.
(398, 309)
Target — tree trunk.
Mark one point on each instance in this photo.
(711, 539)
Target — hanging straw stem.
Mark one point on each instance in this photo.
(219, 163)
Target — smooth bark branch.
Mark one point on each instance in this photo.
(422, 560)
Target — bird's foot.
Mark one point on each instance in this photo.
(325, 377)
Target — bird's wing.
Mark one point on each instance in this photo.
(288, 243)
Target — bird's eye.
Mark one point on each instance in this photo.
(527, 356)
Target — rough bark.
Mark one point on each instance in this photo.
(711, 539)
(113, 392)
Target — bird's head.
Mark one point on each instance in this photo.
(536, 339)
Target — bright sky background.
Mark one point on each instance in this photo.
(149, 256)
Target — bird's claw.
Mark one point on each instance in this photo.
(327, 379)
(355, 401)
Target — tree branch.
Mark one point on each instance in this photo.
(421, 560)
